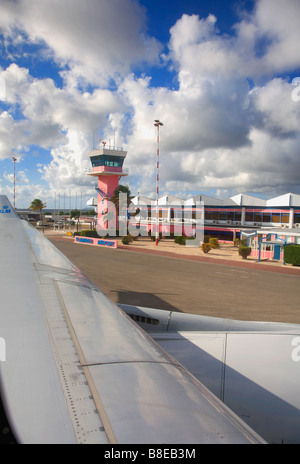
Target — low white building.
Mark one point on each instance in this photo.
(223, 218)
(269, 243)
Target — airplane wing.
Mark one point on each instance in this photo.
(253, 367)
(77, 369)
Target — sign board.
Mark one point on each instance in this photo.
(97, 242)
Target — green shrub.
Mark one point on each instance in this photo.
(205, 247)
(240, 242)
(127, 239)
(89, 233)
(180, 240)
(244, 251)
(214, 242)
(292, 254)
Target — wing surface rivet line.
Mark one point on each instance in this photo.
(100, 408)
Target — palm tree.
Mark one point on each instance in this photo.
(38, 205)
(75, 214)
(115, 197)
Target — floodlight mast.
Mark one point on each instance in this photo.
(157, 123)
(14, 160)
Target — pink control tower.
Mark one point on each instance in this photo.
(107, 164)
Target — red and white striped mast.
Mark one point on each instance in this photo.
(157, 123)
(14, 160)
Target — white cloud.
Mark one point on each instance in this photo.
(17, 80)
(218, 133)
(278, 23)
(69, 163)
(41, 100)
(268, 164)
(276, 110)
(201, 52)
(21, 177)
(265, 41)
(62, 120)
(94, 39)
(12, 134)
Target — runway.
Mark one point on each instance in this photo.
(179, 284)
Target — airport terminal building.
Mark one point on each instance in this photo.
(223, 218)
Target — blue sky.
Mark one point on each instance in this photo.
(218, 74)
(162, 15)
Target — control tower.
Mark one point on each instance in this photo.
(107, 165)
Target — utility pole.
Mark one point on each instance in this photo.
(157, 123)
(14, 160)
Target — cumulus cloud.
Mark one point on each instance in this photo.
(219, 135)
(91, 42)
(22, 177)
(264, 41)
(69, 163)
(231, 124)
(275, 109)
(12, 134)
(95, 40)
(220, 132)
(61, 120)
(200, 51)
(278, 24)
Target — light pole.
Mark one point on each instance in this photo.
(157, 123)
(14, 160)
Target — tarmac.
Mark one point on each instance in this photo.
(178, 278)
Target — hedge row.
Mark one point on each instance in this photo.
(212, 241)
(292, 254)
(89, 233)
(92, 233)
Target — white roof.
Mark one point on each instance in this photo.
(170, 200)
(247, 200)
(289, 232)
(92, 202)
(208, 200)
(288, 199)
(141, 199)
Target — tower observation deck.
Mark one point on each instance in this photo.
(108, 162)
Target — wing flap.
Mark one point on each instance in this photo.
(144, 395)
(253, 373)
